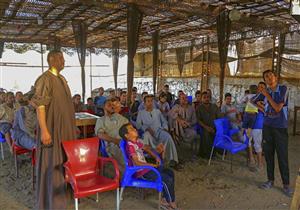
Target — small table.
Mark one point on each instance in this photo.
(85, 119)
(296, 109)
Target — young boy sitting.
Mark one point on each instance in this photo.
(134, 150)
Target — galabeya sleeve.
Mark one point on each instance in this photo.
(43, 91)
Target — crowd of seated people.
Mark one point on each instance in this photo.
(169, 120)
(162, 122)
(18, 120)
(163, 119)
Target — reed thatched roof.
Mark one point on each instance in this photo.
(180, 22)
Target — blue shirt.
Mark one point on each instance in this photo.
(277, 119)
(99, 100)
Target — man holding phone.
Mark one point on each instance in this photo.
(275, 130)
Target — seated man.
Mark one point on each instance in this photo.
(124, 107)
(18, 100)
(142, 105)
(2, 97)
(90, 106)
(134, 150)
(99, 102)
(107, 129)
(197, 101)
(155, 126)
(232, 114)
(206, 114)
(182, 121)
(78, 105)
(180, 92)
(7, 114)
(25, 123)
(135, 103)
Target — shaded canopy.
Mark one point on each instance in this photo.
(179, 22)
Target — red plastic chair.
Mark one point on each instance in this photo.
(20, 151)
(83, 169)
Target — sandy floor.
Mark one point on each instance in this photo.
(197, 187)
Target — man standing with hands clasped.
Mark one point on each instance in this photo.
(56, 118)
(275, 130)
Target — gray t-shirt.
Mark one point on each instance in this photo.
(230, 112)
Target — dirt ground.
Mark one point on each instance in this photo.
(198, 186)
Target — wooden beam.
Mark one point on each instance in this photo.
(15, 11)
(94, 31)
(72, 18)
(66, 11)
(43, 17)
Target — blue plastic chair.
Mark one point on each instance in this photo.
(259, 122)
(228, 129)
(2, 140)
(190, 99)
(102, 148)
(129, 179)
(199, 129)
(224, 141)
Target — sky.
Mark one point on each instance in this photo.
(16, 78)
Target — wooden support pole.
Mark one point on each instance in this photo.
(155, 37)
(279, 55)
(207, 64)
(273, 52)
(42, 58)
(91, 73)
(134, 21)
(115, 60)
(223, 33)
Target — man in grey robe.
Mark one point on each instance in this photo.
(182, 119)
(155, 126)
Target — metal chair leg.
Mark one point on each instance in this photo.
(211, 153)
(118, 199)
(33, 178)
(97, 197)
(223, 157)
(121, 194)
(231, 163)
(16, 165)
(2, 153)
(159, 200)
(76, 203)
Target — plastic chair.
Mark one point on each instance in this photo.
(2, 140)
(190, 99)
(228, 129)
(224, 141)
(259, 122)
(102, 149)
(17, 150)
(129, 179)
(83, 169)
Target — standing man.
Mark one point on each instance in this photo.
(275, 131)
(56, 118)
